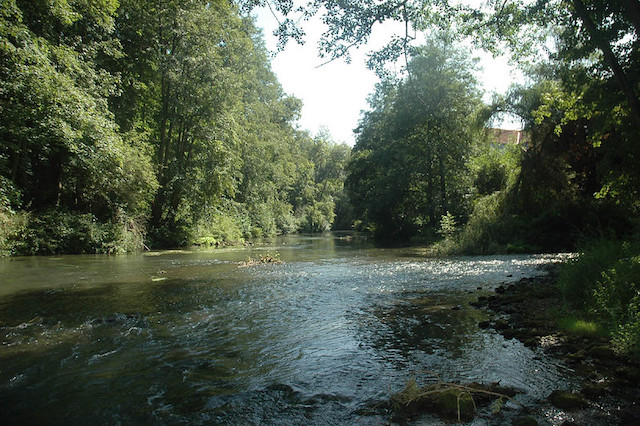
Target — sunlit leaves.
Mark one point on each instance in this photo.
(63, 147)
(409, 161)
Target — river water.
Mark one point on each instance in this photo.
(195, 337)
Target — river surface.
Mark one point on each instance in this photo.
(195, 337)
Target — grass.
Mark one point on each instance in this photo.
(579, 327)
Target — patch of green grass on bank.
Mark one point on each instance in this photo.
(579, 327)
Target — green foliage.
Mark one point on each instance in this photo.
(578, 279)
(409, 163)
(12, 226)
(605, 281)
(483, 231)
(494, 167)
(448, 226)
(62, 146)
(218, 228)
(57, 232)
(617, 299)
(582, 111)
(170, 111)
(164, 111)
(10, 196)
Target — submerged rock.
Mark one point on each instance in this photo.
(602, 352)
(501, 324)
(629, 373)
(567, 400)
(594, 390)
(453, 404)
(484, 324)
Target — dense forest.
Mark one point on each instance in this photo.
(159, 123)
(136, 123)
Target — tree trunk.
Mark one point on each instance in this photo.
(443, 186)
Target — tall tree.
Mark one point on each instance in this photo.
(185, 60)
(612, 27)
(61, 147)
(409, 158)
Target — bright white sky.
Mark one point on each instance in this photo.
(334, 95)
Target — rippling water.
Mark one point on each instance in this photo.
(193, 337)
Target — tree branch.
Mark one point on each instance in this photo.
(609, 58)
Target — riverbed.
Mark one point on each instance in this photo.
(199, 337)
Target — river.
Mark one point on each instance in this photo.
(195, 337)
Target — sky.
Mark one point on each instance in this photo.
(334, 94)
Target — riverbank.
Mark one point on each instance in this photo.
(532, 311)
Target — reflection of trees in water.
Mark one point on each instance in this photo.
(74, 306)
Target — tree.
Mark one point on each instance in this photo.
(186, 61)
(320, 196)
(408, 165)
(61, 147)
(611, 27)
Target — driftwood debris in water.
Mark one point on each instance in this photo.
(450, 401)
(263, 260)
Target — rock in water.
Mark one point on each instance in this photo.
(566, 400)
(524, 421)
(447, 402)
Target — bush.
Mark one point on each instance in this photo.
(604, 281)
(12, 225)
(317, 217)
(125, 235)
(579, 278)
(218, 228)
(176, 233)
(447, 226)
(263, 220)
(482, 232)
(57, 232)
(617, 301)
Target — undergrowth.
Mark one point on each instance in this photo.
(58, 232)
(604, 283)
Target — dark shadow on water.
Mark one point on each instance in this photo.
(428, 323)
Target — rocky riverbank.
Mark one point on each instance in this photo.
(610, 383)
(607, 385)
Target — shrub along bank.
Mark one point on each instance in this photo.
(603, 283)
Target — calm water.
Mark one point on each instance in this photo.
(192, 337)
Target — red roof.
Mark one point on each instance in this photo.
(504, 136)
